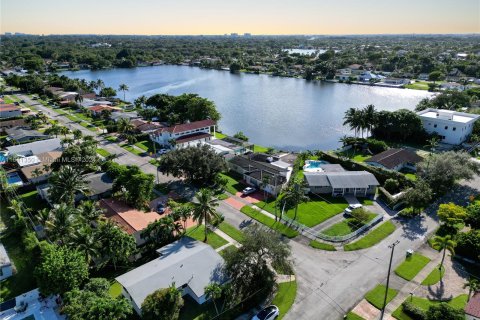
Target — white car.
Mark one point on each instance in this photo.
(248, 190)
(352, 207)
(162, 151)
(268, 313)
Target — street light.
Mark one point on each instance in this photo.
(392, 246)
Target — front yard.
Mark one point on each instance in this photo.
(376, 296)
(411, 266)
(373, 237)
(346, 226)
(198, 233)
(233, 185)
(458, 302)
(269, 222)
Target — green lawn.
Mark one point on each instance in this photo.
(417, 85)
(346, 226)
(412, 265)
(111, 139)
(411, 176)
(223, 196)
(269, 222)
(372, 238)
(230, 248)
(198, 233)
(458, 302)
(321, 245)
(377, 295)
(354, 155)
(285, 297)
(115, 289)
(312, 212)
(231, 231)
(147, 146)
(434, 276)
(104, 153)
(220, 135)
(353, 316)
(260, 149)
(233, 185)
(132, 149)
(32, 200)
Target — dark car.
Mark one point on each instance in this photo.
(160, 208)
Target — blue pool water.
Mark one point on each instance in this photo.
(3, 158)
(14, 178)
(314, 164)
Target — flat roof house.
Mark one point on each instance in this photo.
(9, 111)
(32, 148)
(395, 159)
(188, 263)
(336, 181)
(185, 134)
(453, 127)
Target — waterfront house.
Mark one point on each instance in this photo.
(6, 270)
(453, 127)
(423, 76)
(188, 264)
(472, 309)
(335, 180)
(265, 172)
(182, 135)
(116, 115)
(367, 76)
(395, 159)
(396, 81)
(99, 108)
(452, 86)
(9, 111)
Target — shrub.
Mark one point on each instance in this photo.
(376, 146)
(408, 212)
(391, 185)
(414, 312)
(468, 244)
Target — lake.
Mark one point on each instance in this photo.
(286, 113)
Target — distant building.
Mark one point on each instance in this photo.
(182, 135)
(395, 159)
(9, 111)
(6, 270)
(452, 86)
(453, 127)
(189, 264)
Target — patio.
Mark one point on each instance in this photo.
(37, 308)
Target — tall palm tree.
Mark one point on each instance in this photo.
(184, 212)
(444, 243)
(204, 211)
(295, 195)
(123, 87)
(353, 120)
(85, 240)
(100, 84)
(90, 211)
(61, 220)
(473, 285)
(369, 114)
(66, 183)
(77, 134)
(124, 126)
(213, 291)
(64, 130)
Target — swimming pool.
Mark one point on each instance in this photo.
(14, 178)
(3, 158)
(314, 165)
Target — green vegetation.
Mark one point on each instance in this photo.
(372, 238)
(435, 276)
(147, 146)
(312, 212)
(285, 297)
(354, 155)
(411, 266)
(231, 231)
(111, 138)
(198, 233)
(346, 226)
(132, 149)
(418, 85)
(411, 176)
(104, 153)
(233, 185)
(458, 302)
(260, 149)
(115, 289)
(321, 245)
(227, 250)
(353, 316)
(223, 196)
(269, 222)
(32, 200)
(220, 135)
(377, 295)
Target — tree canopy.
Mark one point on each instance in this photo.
(163, 304)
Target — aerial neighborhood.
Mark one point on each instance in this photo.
(237, 176)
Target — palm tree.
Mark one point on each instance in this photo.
(90, 210)
(124, 126)
(352, 119)
(204, 211)
(85, 240)
(100, 84)
(54, 129)
(295, 195)
(37, 172)
(369, 115)
(184, 212)
(432, 143)
(77, 134)
(123, 87)
(473, 286)
(78, 98)
(213, 291)
(61, 220)
(64, 131)
(66, 183)
(444, 243)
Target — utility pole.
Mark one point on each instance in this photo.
(392, 246)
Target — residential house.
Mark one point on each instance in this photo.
(36, 168)
(182, 135)
(147, 127)
(12, 123)
(99, 108)
(9, 111)
(228, 145)
(6, 269)
(99, 186)
(423, 76)
(188, 264)
(32, 148)
(116, 115)
(367, 76)
(453, 127)
(265, 172)
(472, 309)
(333, 179)
(452, 86)
(396, 81)
(20, 135)
(131, 220)
(395, 159)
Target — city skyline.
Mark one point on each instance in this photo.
(214, 17)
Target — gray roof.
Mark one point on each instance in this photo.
(317, 179)
(352, 179)
(19, 133)
(36, 147)
(332, 168)
(185, 261)
(4, 259)
(99, 183)
(116, 115)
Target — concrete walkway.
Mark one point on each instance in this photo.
(225, 236)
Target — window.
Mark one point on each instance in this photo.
(446, 127)
(454, 129)
(434, 125)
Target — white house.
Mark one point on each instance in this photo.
(396, 81)
(452, 86)
(5, 264)
(9, 111)
(185, 134)
(453, 127)
(188, 264)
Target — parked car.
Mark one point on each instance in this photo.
(22, 101)
(248, 190)
(162, 151)
(160, 208)
(268, 313)
(352, 207)
(16, 103)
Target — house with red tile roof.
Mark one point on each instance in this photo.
(8, 110)
(97, 109)
(472, 309)
(131, 220)
(182, 135)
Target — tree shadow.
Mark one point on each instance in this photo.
(414, 228)
(437, 291)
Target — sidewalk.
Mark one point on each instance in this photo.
(225, 236)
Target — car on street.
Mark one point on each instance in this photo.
(248, 190)
(162, 151)
(352, 207)
(268, 313)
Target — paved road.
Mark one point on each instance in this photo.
(331, 283)
(123, 156)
